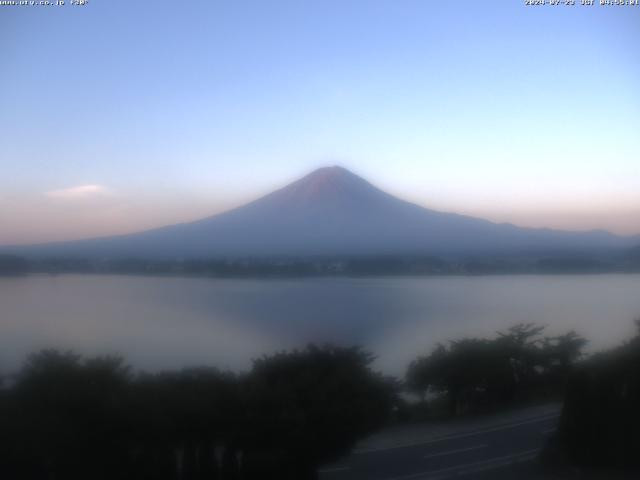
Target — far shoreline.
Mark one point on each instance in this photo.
(321, 276)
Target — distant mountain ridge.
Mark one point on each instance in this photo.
(331, 211)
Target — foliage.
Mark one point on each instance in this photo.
(600, 423)
(12, 265)
(70, 417)
(476, 374)
(315, 403)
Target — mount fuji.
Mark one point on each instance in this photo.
(331, 211)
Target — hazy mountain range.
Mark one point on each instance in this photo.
(331, 211)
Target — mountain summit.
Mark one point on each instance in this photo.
(330, 211)
(328, 188)
(328, 183)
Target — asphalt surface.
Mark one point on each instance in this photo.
(497, 450)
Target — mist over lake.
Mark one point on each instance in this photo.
(170, 322)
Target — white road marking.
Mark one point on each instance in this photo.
(457, 436)
(459, 450)
(333, 469)
(475, 467)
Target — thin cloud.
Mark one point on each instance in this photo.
(81, 191)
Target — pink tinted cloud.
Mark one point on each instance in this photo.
(79, 192)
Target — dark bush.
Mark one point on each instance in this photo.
(600, 423)
(65, 417)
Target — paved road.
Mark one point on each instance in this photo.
(495, 450)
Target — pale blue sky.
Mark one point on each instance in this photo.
(169, 111)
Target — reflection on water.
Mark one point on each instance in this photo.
(169, 322)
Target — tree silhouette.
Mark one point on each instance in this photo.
(313, 404)
(67, 417)
(183, 418)
(600, 422)
(13, 265)
(480, 374)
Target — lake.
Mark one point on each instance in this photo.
(170, 322)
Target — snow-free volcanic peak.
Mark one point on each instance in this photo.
(330, 211)
(333, 184)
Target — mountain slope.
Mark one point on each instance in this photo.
(331, 212)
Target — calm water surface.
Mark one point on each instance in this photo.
(172, 322)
